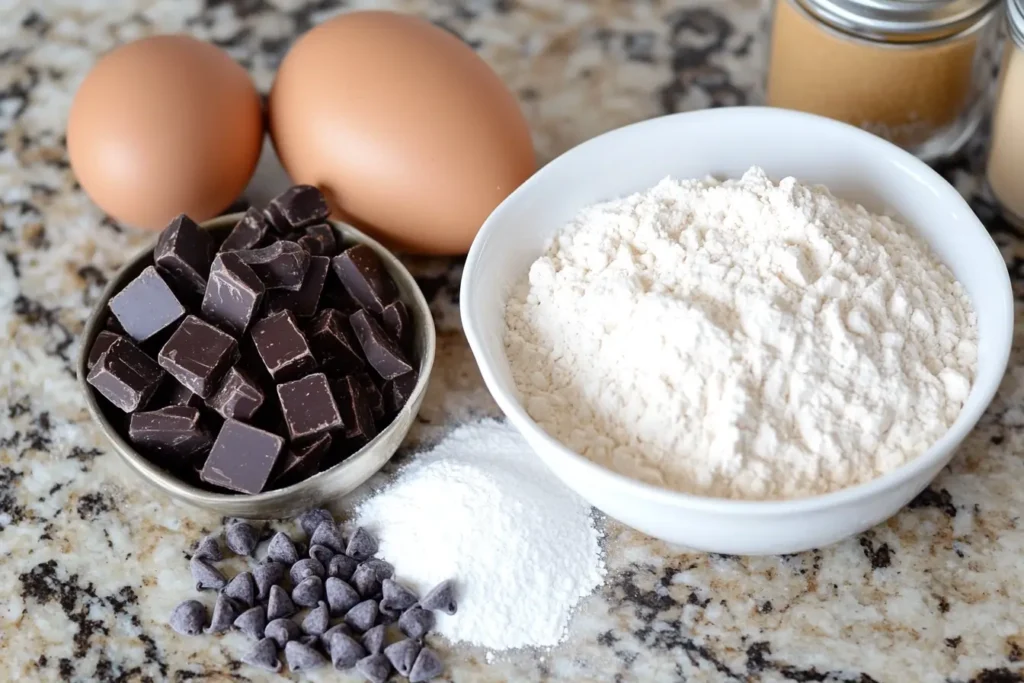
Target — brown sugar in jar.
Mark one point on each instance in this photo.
(913, 72)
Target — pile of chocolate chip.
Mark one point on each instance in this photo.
(339, 580)
(212, 340)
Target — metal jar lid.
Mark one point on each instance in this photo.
(1015, 19)
(909, 19)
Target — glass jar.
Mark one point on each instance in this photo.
(915, 72)
(1005, 170)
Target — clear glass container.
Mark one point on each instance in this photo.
(1005, 170)
(916, 72)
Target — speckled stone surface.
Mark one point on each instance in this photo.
(91, 564)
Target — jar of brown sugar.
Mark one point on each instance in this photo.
(913, 71)
(1005, 169)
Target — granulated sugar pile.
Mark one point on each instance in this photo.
(482, 508)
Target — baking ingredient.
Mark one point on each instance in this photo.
(316, 621)
(238, 397)
(173, 431)
(432, 125)
(282, 265)
(184, 252)
(308, 407)
(125, 376)
(481, 508)
(146, 305)
(188, 618)
(224, 615)
(374, 668)
(382, 353)
(301, 461)
(741, 339)
(165, 125)
(205, 574)
(208, 548)
(1005, 169)
(297, 207)
(242, 457)
(301, 657)
(198, 355)
(242, 588)
(233, 294)
(304, 301)
(263, 655)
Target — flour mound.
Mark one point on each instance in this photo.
(741, 339)
(481, 509)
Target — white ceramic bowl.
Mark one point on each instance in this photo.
(724, 143)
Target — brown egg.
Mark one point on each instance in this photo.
(163, 126)
(409, 133)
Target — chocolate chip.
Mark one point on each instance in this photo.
(252, 622)
(248, 233)
(321, 554)
(319, 240)
(184, 252)
(398, 325)
(205, 575)
(311, 519)
(208, 548)
(146, 305)
(281, 631)
(174, 431)
(309, 592)
(309, 641)
(388, 615)
(375, 668)
(316, 622)
(362, 616)
(266, 574)
(361, 546)
(282, 347)
(416, 622)
(373, 639)
(304, 301)
(329, 534)
(282, 265)
(342, 566)
(402, 655)
(279, 604)
(427, 666)
(224, 615)
(441, 597)
(302, 657)
(282, 549)
(263, 655)
(353, 404)
(325, 637)
(345, 651)
(308, 406)
(381, 352)
(233, 295)
(242, 588)
(188, 618)
(198, 355)
(242, 458)
(365, 581)
(341, 597)
(334, 343)
(398, 391)
(297, 207)
(306, 567)
(102, 342)
(365, 278)
(396, 596)
(241, 538)
(126, 376)
(300, 461)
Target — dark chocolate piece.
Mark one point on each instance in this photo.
(282, 346)
(198, 354)
(102, 342)
(237, 397)
(126, 376)
(233, 294)
(174, 393)
(299, 463)
(248, 233)
(146, 305)
(114, 326)
(242, 457)
(308, 406)
(184, 252)
(171, 431)
(297, 207)
(282, 265)
(303, 302)
(397, 391)
(363, 275)
(335, 296)
(319, 240)
(334, 343)
(398, 325)
(381, 352)
(374, 398)
(354, 409)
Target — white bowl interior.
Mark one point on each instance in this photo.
(725, 143)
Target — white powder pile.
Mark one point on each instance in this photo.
(481, 509)
(741, 339)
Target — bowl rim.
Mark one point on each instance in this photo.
(170, 485)
(609, 478)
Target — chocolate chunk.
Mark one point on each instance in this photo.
(146, 305)
(281, 630)
(237, 397)
(308, 592)
(282, 347)
(329, 534)
(427, 666)
(319, 240)
(398, 325)
(306, 567)
(402, 655)
(112, 324)
(224, 615)
(317, 620)
(188, 618)
(303, 302)
(355, 412)
(174, 393)
(373, 640)
(184, 252)
(242, 588)
(208, 549)
(206, 575)
(297, 207)
(282, 549)
(396, 596)
(302, 657)
(335, 296)
(300, 462)
(266, 574)
(341, 597)
(308, 406)
(362, 545)
(374, 398)
(441, 597)
(381, 352)
(252, 622)
(396, 392)
(198, 355)
(334, 343)
(171, 431)
(375, 668)
(362, 616)
(282, 265)
(263, 655)
(242, 457)
(248, 233)
(126, 376)
(416, 622)
(342, 567)
(345, 651)
(233, 294)
(364, 277)
(279, 604)
(102, 342)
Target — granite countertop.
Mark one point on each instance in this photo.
(92, 562)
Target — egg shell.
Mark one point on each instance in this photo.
(409, 133)
(162, 126)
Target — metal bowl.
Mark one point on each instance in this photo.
(332, 483)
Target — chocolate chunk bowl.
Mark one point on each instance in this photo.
(245, 386)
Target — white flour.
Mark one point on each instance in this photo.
(741, 339)
(480, 508)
